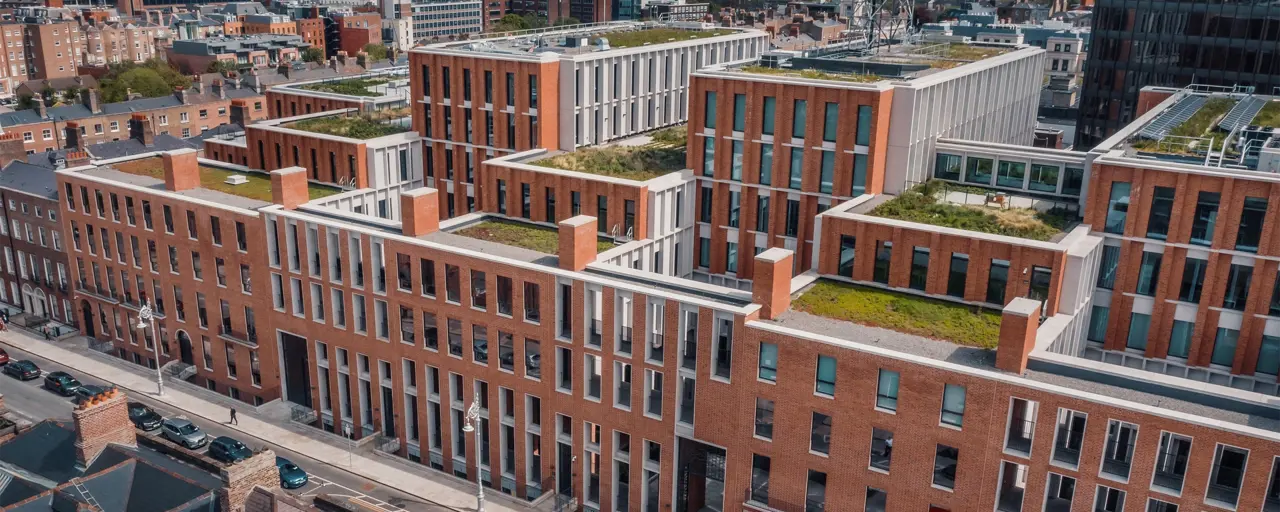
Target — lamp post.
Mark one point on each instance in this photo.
(472, 425)
(145, 318)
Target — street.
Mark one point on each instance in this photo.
(31, 401)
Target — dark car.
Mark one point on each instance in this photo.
(23, 369)
(226, 449)
(291, 476)
(88, 391)
(61, 383)
(143, 417)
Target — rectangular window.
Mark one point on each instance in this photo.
(1117, 208)
(978, 170)
(919, 268)
(708, 156)
(1205, 218)
(831, 122)
(1161, 212)
(1227, 475)
(997, 281)
(953, 405)
(759, 478)
(797, 168)
(1237, 287)
(766, 121)
(1010, 174)
(724, 348)
(764, 418)
(799, 120)
(766, 164)
(768, 366)
(1224, 347)
(887, 390)
(1044, 178)
(1192, 279)
(884, 256)
(945, 460)
(739, 112)
(1098, 323)
(735, 163)
(709, 110)
(762, 212)
(1110, 262)
(1139, 327)
(1251, 219)
(864, 126)
(1180, 338)
(848, 253)
(957, 278)
(826, 183)
(948, 167)
(825, 380)
(1149, 273)
(820, 434)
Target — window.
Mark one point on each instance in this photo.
(1205, 218)
(709, 110)
(724, 348)
(797, 169)
(884, 255)
(1044, 178)
(762, 213)
(825, 381)
(1192, 279)
(1251, 219)
(978, 170)
(1139, 326)
(1011, 174)
(1227, 475)
(848, 246)
(759, 478)
(764, 418)
(766, 164)
(708, 156)
(997, 281)
(1237, 287)
(828, 170)
(957, 278)
(1224, 347)
(953, 405)
(1117, 208)
(1161, 212)
(831, 122)
(945, 459)
(1108, 500)
(887, 390)
(1149, 273)
(919, 268)
(766, 121)
(768, 362)
(1117, 456)
(739, 112)
(820, 434)
(1171, 461)
(1180, 338)
(799, 120)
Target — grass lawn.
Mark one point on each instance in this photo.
(957, 323)
(258, 187)
(518, 234)
(639, 163)
(812, 74)
(658, 36)
(1268, 116)
(920, 204)
(350, 87)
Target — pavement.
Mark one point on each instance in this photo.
(380, 483)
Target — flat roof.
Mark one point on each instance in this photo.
(543, 239)
(586, 38)
(256, 193)
(888, 63)
(998, 212)
(638, 158)
(1199, 121)
(364, 125)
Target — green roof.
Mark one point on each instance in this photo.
(912, 314)
(1269, 116)
(658, 36)
(812, 74)
(212, 178)
(665, 154)
(359, 126)
(349, 86)
(519, 234)
(923, 204)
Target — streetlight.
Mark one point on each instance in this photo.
(145, 316)
(473, 421)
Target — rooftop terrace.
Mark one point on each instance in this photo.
(350, 86)
(585, 38)
(935, 203)
(897, 62)
(369, 125)
(257, 188)
(660, 153)
(635, 38)
(813, 74)
(901, 312)
(519, 234)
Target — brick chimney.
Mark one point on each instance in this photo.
(217, 89)
(283, 69)
(181, 170)
(362, 60)
(92, 100)
(289, 187)
(140, 128)
(183, 95)
(77, 158)
(197, 85)
(577, 242)
(240, 112)
(419, 211)
(240, 479)
(1018, 325)
(41, 108)
(342, 57)
(102, 420)
(72, 135)
(11, 148)
(771, 286)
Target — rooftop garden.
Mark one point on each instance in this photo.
(658, 36)
(663, 155)
(812, 74)
(350, 86)
(1268, 116)
(258, 187)
(958, 54)
(911, 314)
(518, 234)
(369, 125)
(923, 204)
(1204, 123)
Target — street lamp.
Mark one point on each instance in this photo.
(144, 317)
(473, 421)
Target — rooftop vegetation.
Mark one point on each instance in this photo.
(658, 36)
(957, 323)
(1268, 116)
(1204, 123)
(518, 234)
(958, 54)
(356, 126)
(921, 204)
(663, 155)
(258, 187)
(350, 86)
(812, 74)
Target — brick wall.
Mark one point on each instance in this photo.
(241, 479)
(101, 421)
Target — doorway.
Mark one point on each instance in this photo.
(297, 374)
(184, 348)
(700, 477)
(87, 312)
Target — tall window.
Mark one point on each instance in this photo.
(847, 253)
(997, 281)
(1149, 273)
(766, 164)
(887, 390)
(919, 268)
(1251, 219)
(1224, 347)
(709, 110)
(831, 122)
(739, 112)
(766, 123)
(1205, 218)
(799, 120)
(1192, 279)
(1139, 327)
(1237, 287)
(1161, 211)
(1107, 269)
(957, 279)
(953, 397)
(768, 362)
(884, 255)
(1180, 338)
(1117, 208)
(825, 381)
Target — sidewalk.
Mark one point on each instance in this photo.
(441, 493)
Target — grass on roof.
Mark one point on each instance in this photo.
(350, 86)
(664, 155)
(921, 204)
(359, 126)
(258, 187)
(1204, 123)
(658, 36)
(959, 54)
(957, 323)
(812, 74)
(1269, 115)
(518, 234)
(1205, 119)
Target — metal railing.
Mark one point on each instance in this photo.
(1067, 447)
(1020, 435)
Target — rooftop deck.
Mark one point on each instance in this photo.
(358, 126)
(519, 234)
(257, 188)
(585, 38)
(640, 159)
(902, 62)
(813, 74)
(934, 203)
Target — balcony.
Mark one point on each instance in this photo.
(248, 339)
(1067, 448)
(1020, 435)
(596, 338)
(624, 340)
(689, 359)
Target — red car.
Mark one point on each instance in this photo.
(4, 357)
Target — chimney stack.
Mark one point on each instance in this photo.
(182, 95)
(283, 69)
(241, 478)
(289, 187)
(333, 63)
(218, 90)
(101, 420)
(362, 60)
(197, 85)
(41, 108)
(181, 170)
(420, 211)
(1018, 325)
(77, 158)
(342, 58)
(140, 128)
(771, 286)
(577, 242)
(72, 135)
(92, 100)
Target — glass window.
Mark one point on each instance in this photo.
(958, 276)
(799, 121)
(1044, 178)
(1205, 218)
(826, 185)
(1073, 182)
(710, 110)
(919, 268)
(1269, 355)
(847, 252)
(859, 185)
(997, 281)
(764, 418)
(1139, 325)
(1192, 280)
(1110, 262)
(978, 170)
(1098, 323)
(887, 390)
(826, 380)
(770, 106)
(1161, 210)
(953, 405)
(947, 167)
(1117, 208)
(1010, 174)
(708, 156)
(797, 167)
(1224, 347)
(739, 112)
(820, 434)
(831, 122)
(1149, 273)
(1237, 287)
(766, 164)
(1255, 210)
(768, 362)
(864, 126)
(1180, 338)
(735, 169)
(884, 254)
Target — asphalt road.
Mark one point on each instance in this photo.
(31, 401)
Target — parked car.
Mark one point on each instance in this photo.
(291, 476)
(226, 449)
(61, 383)
(4, 357)
(23, 369)
(144, 417)
(183, 432)
(88, 391)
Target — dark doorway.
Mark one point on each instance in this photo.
(87, 311)
(700, 477)
(184, 348)
(297, 374)
(564, 469)
(388, 413)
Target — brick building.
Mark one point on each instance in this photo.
(35, 275)
(355, 30)
(53, 49)
(312, 32)
(260, 50)
(116, 42)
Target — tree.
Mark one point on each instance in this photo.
(26, 102)
(72, 93)
(49, 94)
(222, 66)
(152, 78)
(567, 21)
(375, 51)
(313, 54)
(511, 23)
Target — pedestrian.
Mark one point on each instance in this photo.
(45, 329)
(234, 421)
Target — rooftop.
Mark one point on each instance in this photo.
(349, 86)
(812, 74)
(640, 158)
(357, 126)
(630, 39)
(961, 207)
(212, 178)
(910, 314)
(857, 66)
(519, 234)
(585, 38)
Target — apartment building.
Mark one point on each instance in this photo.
(433, 21)
(13, 61)
(557, 89)
(260, 50)
(353, 31)
(112, 43)
(269, 24)
(312, 32)
(53, 48)
(35, 276)
(382, 89)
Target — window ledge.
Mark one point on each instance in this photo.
(941, 488)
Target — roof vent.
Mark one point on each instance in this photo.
(236, 179)
(604, 43)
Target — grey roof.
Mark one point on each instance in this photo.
(129, 147)
(204, 194)
(32, 179)
(239, 8)
(135, 487)
(46, 452)
(236, 44)
(79, 111)
(222, 129)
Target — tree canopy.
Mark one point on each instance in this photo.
(152, 78)
(375, 51)
(313, 54)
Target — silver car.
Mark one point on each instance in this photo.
(183, 432)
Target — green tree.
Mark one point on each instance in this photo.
(72, 94)
(26, 102)
(567, 21)
(152, 78)
(313, 54)
(510, 23)
(50, 95)
(376, 51)
(221, 66)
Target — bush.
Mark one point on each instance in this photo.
(920, 204)
(375, 51)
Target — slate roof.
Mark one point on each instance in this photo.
(222, 129)
(129, 147)
(79, 111)
(32, 179)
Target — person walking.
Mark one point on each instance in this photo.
(234, 421)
